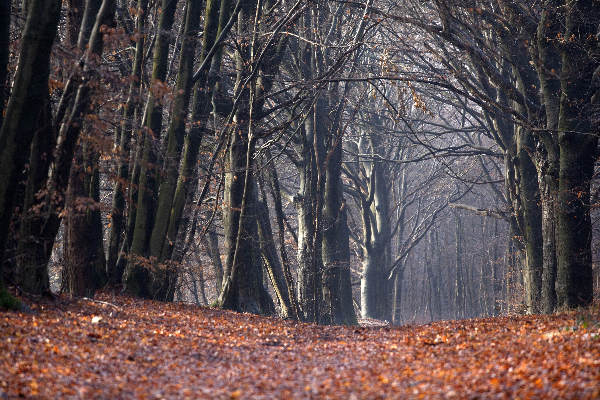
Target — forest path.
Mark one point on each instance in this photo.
(142, 349)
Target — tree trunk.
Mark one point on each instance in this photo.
(85, 265)
(35, 255)
(26, 108)
(211, 244)
(163, 276)
(459, 283)
(337, 290)
(137, 277)
(577, 140)
(5, 8)
(276, 194)
(532, 218)
(243, 288)
(309, 256)
(123, 148)
(271, 260)
(548, 168)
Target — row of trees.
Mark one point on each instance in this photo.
(532, 70)
(344, 131)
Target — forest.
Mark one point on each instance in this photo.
(366, 163)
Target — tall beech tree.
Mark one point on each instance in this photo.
(137, 277)
(27, 108)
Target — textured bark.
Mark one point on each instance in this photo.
(137, 277)
(31, 271)
(271, 260)
(532, 226)
(337, 290)
(548, 60)
(85, 266)
(577, 140)
(5, 8)
(276, 194)
(200, 105)
(377, 236)
(243, 288)
(176, 131)
(211, 244)
(36, 254)
(25, 110)
(307, 203)
(163, 277)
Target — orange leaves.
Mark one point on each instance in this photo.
(148, 349)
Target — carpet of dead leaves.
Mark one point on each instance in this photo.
(140, 349)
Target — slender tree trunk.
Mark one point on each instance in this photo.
(276, 194)
(271, 260)
(115, 241)
(216, 16)
(459, 283)
(163, 276)
(137, 278)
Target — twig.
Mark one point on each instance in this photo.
(102, 302)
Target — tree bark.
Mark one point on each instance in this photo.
(137, 276)
(5, 8)
(162, 278)
(577, 139)
(85, 266)
(243, 288)
(26, 108)
(123, 148)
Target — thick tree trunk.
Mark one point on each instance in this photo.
(375, 286)
(5, 8)
(243, 288)
(309, 254)
(337, 290)
(577, 140)
(31, 259)
(85, 265)
(548, 168)
(532, 221)
(26, 108)
(34, 255)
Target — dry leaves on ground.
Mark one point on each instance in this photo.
(128, 348)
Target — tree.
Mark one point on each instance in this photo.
(26, 110)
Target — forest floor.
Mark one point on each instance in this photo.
(129, 348)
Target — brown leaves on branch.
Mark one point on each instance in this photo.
(118, 347)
